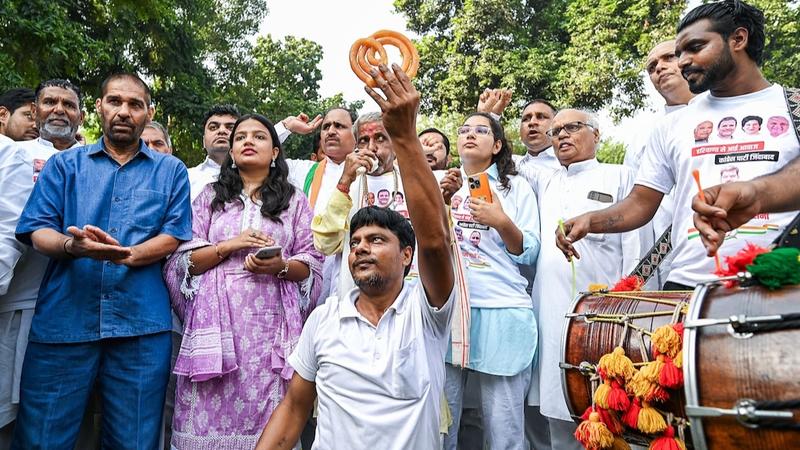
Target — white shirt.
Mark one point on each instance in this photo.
(663, 217)
(378, 387)
(23, 163)
(605, 258)
(492, 273)
(208, 171)
(298, 172)
(674, 154)
(545, 159)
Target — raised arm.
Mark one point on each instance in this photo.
(729, 206)
(634, 211)
(424, 199)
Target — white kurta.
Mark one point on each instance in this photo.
(605, 258)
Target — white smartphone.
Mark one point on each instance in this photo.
(268, 252)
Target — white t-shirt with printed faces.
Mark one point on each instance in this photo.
(682, 143)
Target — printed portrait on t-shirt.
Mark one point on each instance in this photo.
(726, 128)
(371, 199)
(729, 174)
(777, 126)
(702, 131)
(475, 238)
(399, 199)
(751, 125)
(38, 165)
(459, 234)
(384, 197)
(455, 202)
(466, 203)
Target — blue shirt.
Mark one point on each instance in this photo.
(84, 299)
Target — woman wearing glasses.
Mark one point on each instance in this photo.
(504, 232)
(242, 309)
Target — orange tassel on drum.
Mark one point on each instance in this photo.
(667, 441)
(617, 364)
(666, 341)
(631, 416)
(607, 417)
(628, 284)
(617, 398)
(593, 433)
(601, 394)
(671, 376)
(650, 421)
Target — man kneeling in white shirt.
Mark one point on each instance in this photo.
(375, 355)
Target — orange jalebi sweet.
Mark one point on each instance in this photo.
(367, 53)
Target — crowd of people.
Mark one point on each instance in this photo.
(364, 297)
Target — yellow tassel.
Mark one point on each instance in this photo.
(666, 340)
(620, 444)
(616, 364)
(646, 378)
(597, 287)
(678, 361)
(593, 433)
(601, 395)
(650, 420)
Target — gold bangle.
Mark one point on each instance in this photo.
(219, 255)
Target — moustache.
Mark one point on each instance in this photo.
(364, 260)
(690, 70)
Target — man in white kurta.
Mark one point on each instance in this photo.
(582, 184)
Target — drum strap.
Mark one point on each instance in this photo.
(791, 236)
(649, 264)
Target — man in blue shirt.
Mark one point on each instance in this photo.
(106, 215)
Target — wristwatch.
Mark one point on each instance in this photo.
(282, 274)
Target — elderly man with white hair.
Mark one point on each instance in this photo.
(580, 185)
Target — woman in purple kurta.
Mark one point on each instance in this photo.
(242, 315)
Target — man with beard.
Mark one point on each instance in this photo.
(16, 119)
(537, 116)
(106, 215)
(374, 356)
(57, 114)
(720, 47)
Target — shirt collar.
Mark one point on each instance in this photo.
(46, 143)
(582, 166)
(211, 164)
(348, 304)
(542, 155)
(100, 146)
(492, 172)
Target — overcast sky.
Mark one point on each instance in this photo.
(336, 25)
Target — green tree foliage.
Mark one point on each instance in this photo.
(611, 151)
(581, 53)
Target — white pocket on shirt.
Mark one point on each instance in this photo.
(409, 373)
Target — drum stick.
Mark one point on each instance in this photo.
(696, 175)
(571, 260)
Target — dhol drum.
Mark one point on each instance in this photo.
(741, 367)
(597, 324)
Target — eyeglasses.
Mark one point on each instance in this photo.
(478, 129)
(572, 127)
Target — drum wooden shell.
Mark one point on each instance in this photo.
(720, 369)
(587, 342)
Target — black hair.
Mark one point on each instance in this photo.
(440, 133)
(316, 140)
(221, 110)
(728, 15)
(727, 119)
(60, 83)
(503, 159)
(542, 101)
(351, 113)
(129, 76)
(749, 118)
(388, 219)
(276, 191)
(13, 99)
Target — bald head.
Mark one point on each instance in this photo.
(576, 134)
(662, 68)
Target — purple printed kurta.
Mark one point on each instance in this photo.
(239, 327)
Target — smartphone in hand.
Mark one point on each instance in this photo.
(479, 186)
(268, 252)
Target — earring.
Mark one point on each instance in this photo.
(272, 164)
(233, 163)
